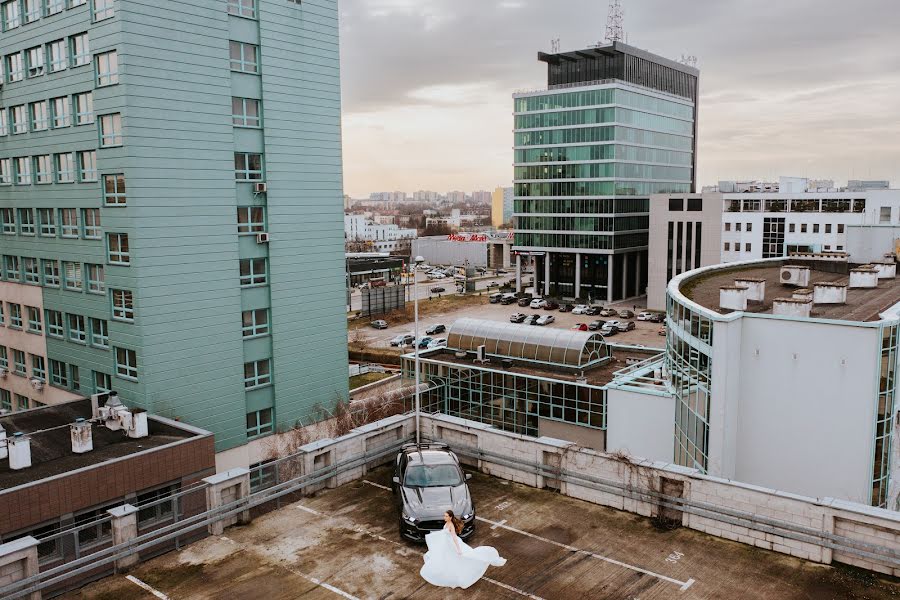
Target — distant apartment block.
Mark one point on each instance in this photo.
(502, 206)
(375, 236)
(168, 205)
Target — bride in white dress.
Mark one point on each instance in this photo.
(450, 562)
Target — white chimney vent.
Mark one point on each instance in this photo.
(795, 275)
(886, 270)
(733, 297)
(805, 294)
(826, 292)
(4, 452)
(865, 276)
(139, 427)
(789, 307)
(19, 451)
(756, 288)
(82, 437)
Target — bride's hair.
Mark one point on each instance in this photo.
(457, 523)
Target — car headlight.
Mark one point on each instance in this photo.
(406, 517)
(468, 516)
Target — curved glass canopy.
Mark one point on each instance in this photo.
(528, 342)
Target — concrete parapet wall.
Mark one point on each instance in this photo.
(819, 530)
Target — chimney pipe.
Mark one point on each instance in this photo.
(82, 437)
(19, 451)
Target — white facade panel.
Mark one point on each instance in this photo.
(640, 424)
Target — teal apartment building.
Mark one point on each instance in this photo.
(615, 125)
(171, 210)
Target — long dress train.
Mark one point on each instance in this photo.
(445, 568)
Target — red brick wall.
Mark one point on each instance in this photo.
(43, 501)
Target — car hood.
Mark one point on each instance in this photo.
(432, 502)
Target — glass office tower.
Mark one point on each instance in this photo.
(615, 125)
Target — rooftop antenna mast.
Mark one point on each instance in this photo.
(615, 22)
(554, 45)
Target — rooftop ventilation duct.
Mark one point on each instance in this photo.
(827, 292)
(804, 294)
(865, 276)
(82, 437)
(790, 307)
(19, 446)
(733, 297)
(886, 270)
(795, 275)
(756, 287)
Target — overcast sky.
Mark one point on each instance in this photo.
(796, 87)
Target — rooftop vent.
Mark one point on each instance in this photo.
(886, 270)
(117, 417)
(733, 297)
(828, 292)
(795, 275)
(19, 446)
(756, 288)
(804, 294)
(82, 438)
(790, 307)
(865, 276)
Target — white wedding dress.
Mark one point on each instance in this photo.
(445, 568)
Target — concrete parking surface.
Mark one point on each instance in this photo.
(343, 543)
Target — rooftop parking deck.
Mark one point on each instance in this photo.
(343, 543)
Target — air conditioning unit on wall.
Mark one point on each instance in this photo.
(260, 187)
(262, 238)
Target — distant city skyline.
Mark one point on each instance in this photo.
(790, 90)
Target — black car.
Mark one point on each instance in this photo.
(565, 308)
(435, 329)
(596, 325)
(428, 481)
(551, 305)
(438, 290)
(592, 311)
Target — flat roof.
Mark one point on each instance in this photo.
(51, 445)
(598, 375)
(612, 49)
(862, 304)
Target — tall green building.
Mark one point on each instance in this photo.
(615, 125)
(171, 204)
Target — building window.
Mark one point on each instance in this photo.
(242, 8)
(99, 333)
(84, 108)
(749, 227)
(81, 50)
(803, 228)
(35, 324)
(102, 382)
(77, 329)
(114, 190)
(94, 528)
(12, 268)
(15, 315)
(4, 121)
(38, 368)
(19, 119)
(61, 114)
(126, 363)
(251, 219)
(815, 228)
(55, 7)
(247, 167)
(40, 118)
(257, 373)
(87, 161)
(58, 375)
(5, 397)
(884, 214)
(153, 507)
(244, 57)
(15, 67)
(68, 218)
(24, 403)
(51, 273)
(32, 11)
(26, 221)
(73, 278)
(262, 475)
(59, 56)
(103, 9)
(8, 216)
(11, 16)
(828, 228)
(792, 228)
(23, 170)
(36, 62)
(65, 168)
(122, 305)
(92, 223)
(260, 422)
(47, 222)
(840, 228)
(245, 112)
(253, 272)
(96, 284)
(255, 322)
(119, 253)
(110, 130)
(4, 360)
(727, 226)
(19, 363)
(676, 204)
(55, 326)
(43, 172)
(747, 247)
(32, 274)
(107, 69)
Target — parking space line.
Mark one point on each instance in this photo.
(146, 587)
(378, 485)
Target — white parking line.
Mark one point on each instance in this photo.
(141, 584)
(378, 485)
(683, 585)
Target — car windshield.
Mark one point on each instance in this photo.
(446, 475)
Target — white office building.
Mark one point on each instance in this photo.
(381, 238)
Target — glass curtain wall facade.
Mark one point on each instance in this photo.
(586, 160)
(884, 422)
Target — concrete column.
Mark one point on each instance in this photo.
(18, 561)
(578, 275)
(226, 488)
(546, 274)
(124, 529)
(518, 273)
(609, 277)
(624, 275)
(639, 274)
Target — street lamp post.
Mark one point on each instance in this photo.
(415, 287)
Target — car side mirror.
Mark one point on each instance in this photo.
(396, 480)
(468, 476)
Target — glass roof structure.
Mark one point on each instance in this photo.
(576, 349)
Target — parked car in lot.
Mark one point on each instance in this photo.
(626, 314)
(438, 343)
(613, 323)
(596, 325)
(626, 326)
(580, 327)
(537, 303)
(495, 298)
(661, 332)
(438, 290)
(565, 308)
(607, 331)
(428, 481)
(423, 343)
(508, 298)
(545, 320)
(608, 312)
(550, 305)
(439, 328)
(379, 324)
(524, 301)
(531, 319)
(645, 316)
(579, 309)
(658, 318)
(404, 339)
(593, 311)
(517, 318)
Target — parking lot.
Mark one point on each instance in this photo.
(343, 543)
(645, 333)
